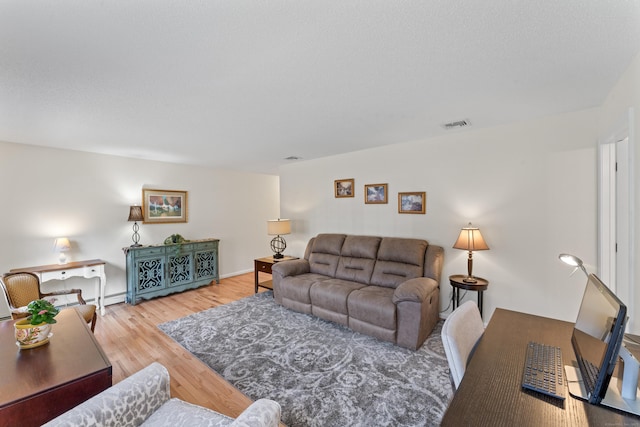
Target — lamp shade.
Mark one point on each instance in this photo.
(135, 213)
(61, 244)
(278, 227)
(470, 239)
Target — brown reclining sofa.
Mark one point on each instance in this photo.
(385, 287)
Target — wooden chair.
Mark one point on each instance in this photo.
(460, 333)
(22, 288)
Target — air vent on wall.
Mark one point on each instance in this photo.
(293, 158)
(457, 124)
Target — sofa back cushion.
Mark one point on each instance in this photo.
(357, 259)
(398, 260)
(325, 253)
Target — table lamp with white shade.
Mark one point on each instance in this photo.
(470, 239)
(278, 227)
(62, 245)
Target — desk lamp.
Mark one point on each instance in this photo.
(135, 215)
(470, 240)
(62, 245)
(277, 227)
(573, 261)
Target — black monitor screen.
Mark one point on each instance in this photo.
(597, 336)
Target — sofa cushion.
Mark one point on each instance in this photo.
(176, 412)
(332, 295)
(398, 260)
(298, 288)
(325, 254)
(358, 258)
(373, 304)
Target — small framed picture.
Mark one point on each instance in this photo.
(162, 206)
(412, 203)
(375, 193)
(343, 187)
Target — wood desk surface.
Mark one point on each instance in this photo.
(57, 267)
(69, 369)
(490, 393)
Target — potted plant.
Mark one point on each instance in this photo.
(35, 330)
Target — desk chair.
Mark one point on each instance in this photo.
(22, 288)
(460, 334)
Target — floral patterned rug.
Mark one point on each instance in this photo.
(321, 373)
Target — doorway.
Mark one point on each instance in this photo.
(615, 214)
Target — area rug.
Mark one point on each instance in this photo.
(321, 373)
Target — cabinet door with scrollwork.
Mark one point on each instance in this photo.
(180, 269)
(149, 274)
(207, 264)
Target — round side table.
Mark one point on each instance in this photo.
(457, 282)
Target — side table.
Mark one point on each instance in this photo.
(263, 265)
(87, 269)
(457, 282)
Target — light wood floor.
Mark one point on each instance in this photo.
(130, 338)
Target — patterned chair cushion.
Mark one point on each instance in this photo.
(145, 399)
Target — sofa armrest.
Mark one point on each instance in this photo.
(263, 413)
(128, 403)
(417, 290)
(292, 267)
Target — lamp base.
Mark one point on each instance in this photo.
(278, 245)
(470, 279)
(136, 235)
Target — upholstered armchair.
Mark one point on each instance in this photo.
(21, 288)
(144, 398)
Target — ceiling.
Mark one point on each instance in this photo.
(243, 84)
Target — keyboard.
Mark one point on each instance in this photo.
(589, 374)
(544, 370)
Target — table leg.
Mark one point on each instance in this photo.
(480, 301)
(255, 272)
(98, 300)
(456, 298)
(103, 284)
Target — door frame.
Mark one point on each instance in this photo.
(615, 265)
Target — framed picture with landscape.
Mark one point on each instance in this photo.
(343, 187)
(163, 206)
(412, 203)
(375, 193)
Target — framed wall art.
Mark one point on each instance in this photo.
(412, 203)
(375, 193)
(343, 187)
(163, 206)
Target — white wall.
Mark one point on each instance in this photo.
(624, 96)
(49, 193)
(529, 187)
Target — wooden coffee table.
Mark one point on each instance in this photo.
(43, 382)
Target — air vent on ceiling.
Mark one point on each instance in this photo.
(457, 124)
(293, 158)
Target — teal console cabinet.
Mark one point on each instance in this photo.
(154, 271)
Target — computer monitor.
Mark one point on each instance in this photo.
(597, 336)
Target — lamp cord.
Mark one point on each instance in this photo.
(451, 300)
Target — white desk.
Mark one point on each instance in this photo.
(87, 269)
